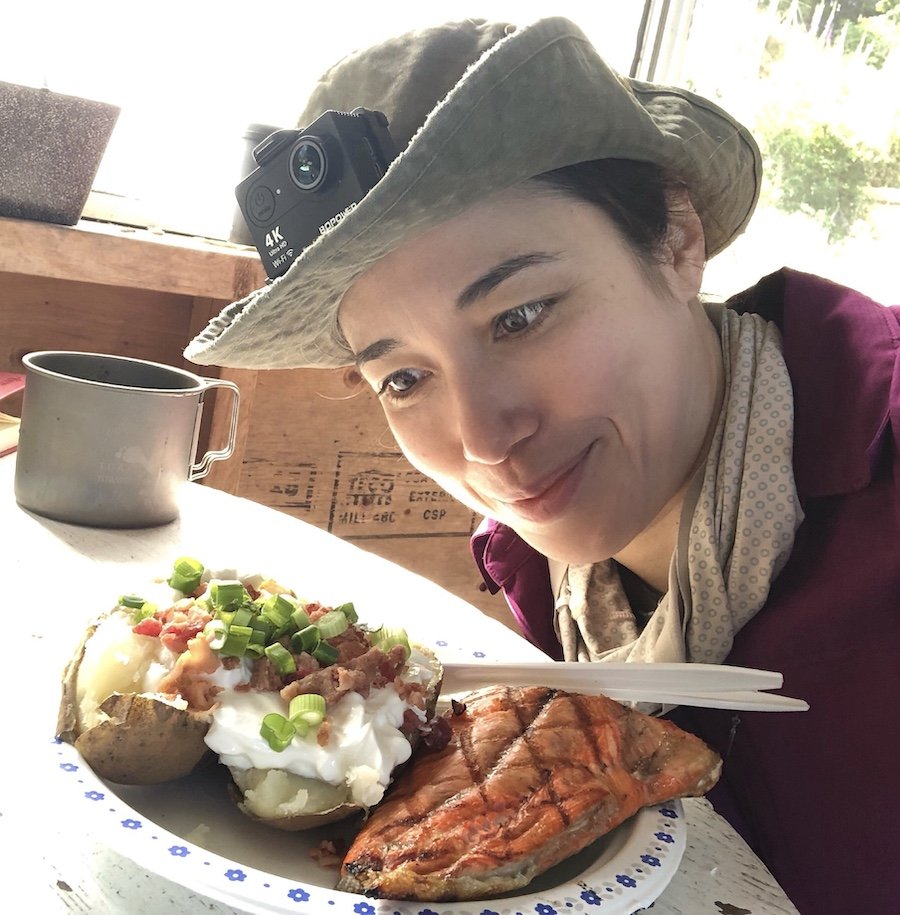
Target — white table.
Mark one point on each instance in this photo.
(53, 573)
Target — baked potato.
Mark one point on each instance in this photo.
(114, 713)
(310, 710)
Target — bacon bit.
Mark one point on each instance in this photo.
(351, 643)
(306, 665)
(200, 694)
(437, 736)
(411, 692)
(265, 678)
(357, 675)
(329, 853)
(315, 610)
(323, 733)
(411, 724)
(180, 625)
(187, 678)
(149, 626)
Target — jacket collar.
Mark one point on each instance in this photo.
(842, 352)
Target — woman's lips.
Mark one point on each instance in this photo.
(552, 500)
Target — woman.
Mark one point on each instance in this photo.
(662, 479)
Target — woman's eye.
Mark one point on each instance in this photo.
(520, 319)
(399, 384)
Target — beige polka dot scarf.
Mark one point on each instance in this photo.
(737, 525)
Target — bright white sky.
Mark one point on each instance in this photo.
(190, 75)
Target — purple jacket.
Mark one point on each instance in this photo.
(816, 794)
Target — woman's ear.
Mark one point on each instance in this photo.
(686, 243)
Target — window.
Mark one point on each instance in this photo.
(190, 76)
(815, 80)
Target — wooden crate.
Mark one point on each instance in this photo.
(322, 452)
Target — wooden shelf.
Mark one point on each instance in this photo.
(109, 255)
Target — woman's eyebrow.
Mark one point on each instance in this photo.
(376, 350)
(477, 289)
(496, 275)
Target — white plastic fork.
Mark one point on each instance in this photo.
(701, 685)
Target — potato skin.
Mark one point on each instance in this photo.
(143, 741)
(297, 822)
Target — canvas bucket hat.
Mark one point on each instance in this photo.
(475, 107)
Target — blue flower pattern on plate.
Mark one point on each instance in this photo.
(298, 894)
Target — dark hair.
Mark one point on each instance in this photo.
(637, 197)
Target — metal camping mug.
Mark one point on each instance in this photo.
(108, 441)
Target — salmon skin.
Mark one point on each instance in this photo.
(530, 776)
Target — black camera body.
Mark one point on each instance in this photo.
(308, 180)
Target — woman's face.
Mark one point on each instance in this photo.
(526, 364)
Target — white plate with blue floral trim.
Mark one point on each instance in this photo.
(191, 833)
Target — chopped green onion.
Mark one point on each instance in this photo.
(277, 731)
(309, 708)
(146, 610)
(349, 611)
(331, 624)
(306, 639)
(266, 634)
(216, 631)
(301, 726)
(277, 609)
(242, 617)
(226, 595)
(236, 641)
(386, 637)
(254, 650)
(300, 619)
(282, 660)
(325, 653)
(132, 601)
(186, 575)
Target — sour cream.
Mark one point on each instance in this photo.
(365, 743)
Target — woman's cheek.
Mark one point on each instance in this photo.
(422, 441)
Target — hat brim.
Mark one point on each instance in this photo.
(539, 99)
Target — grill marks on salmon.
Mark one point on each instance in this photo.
(530, 776)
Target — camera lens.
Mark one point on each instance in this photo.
(308, 164)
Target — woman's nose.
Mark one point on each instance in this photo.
(493, 417)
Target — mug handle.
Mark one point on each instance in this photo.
(201, 468)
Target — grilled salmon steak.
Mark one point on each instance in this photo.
(530, 776)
